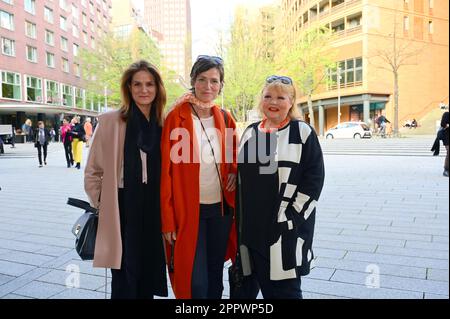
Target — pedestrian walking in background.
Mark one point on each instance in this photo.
(27, 130)
(382, 123)
(67, 141)
(122, 177)
(78, 134)
(445, 139)
(278, 193)
(88, 130)
(41, 139)
(197, 193)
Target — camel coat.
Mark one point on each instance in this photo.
(101, 176)
(180, 192)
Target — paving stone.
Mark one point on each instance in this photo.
(40, 290)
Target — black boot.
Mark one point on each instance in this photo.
(78, 165)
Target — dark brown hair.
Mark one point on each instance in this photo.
(127, 77)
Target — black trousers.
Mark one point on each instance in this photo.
(213, 234)
(68, 151)
(40, 148)
(273, 289)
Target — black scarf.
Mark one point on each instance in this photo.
(141, 206)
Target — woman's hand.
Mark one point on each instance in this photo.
(170, 237)
(231, 185)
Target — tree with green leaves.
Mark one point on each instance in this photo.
(248, 61)
(103, 68)
(307, 62)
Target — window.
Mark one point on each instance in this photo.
(63, 4)
(65, 65)
(75, 12)
(84, 18)
(83, 3)
(75, 48)
(63, 23)
(67, 95)
(49, 37)
(11, 86)
(406, 23)
(8, 47)
(64, 44)
(30, 30)
(34, 89)
(30, 6)
(8, 1)
(31, 54)
(50, 58)
(91, 8)
(85, 37)
(48, 15)
(75, 31)
(6, 20)
(430, 27)
(351, 73)
(76, 69)
(51, 92)
(79, 98)
(92, 43)
(431, 4)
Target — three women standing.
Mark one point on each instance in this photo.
(122, 178)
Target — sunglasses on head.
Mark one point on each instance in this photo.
(216, 59)
(282, 79)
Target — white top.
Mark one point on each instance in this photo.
(144, 170)
(210, 191)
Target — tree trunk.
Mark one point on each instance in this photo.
(311, 111)
(396, 95)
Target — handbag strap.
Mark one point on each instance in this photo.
(81, 204)
(210, 144)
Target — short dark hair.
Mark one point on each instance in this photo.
(203, 65)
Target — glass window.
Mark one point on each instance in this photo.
(63, 23)
(48, 15)
(65, 65)
(6, 20)
(75, 31)
(52, 92)
(76, 69)
(30, 29)
(64, 44)
(67, 95)
(11, 85)
(34, 89)
(50, 57)
(30, 6)
(8, 47)
(31, 54)
(49, 37)
(8, 1)
(75, 49)
(79, 98)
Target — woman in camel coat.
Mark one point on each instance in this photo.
(122, 179)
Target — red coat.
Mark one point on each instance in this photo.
(180, 198)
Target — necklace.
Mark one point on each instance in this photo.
(265, 129)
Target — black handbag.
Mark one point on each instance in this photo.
(241, 287)
(85, 229)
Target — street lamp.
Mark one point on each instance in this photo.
(339, 93)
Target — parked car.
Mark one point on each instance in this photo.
(349, 130)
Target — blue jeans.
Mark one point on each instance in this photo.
(213, 234)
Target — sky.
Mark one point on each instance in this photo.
(208, 18)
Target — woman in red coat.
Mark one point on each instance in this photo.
(198, 150)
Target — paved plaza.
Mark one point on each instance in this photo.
(382, 226)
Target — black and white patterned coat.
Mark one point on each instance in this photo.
(301, 177)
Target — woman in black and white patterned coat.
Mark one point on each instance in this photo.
(281, 174)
